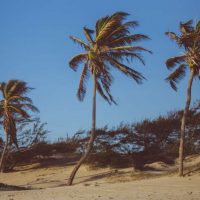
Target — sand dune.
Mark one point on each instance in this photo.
(124, 184)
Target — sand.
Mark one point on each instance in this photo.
(124, 184)
(170, 188)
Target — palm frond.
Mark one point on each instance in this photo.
(2, 84)
(106, 83)
(126, 70)
(82, 83)
(13, 133)
(111, 23)
(100, 24)
(88, 33)
(130, 24)
(124, 40)
(173, 36)
(27, 106)
(10, 128)
(2, 88)
(101, 92)
(77, 59)
(186, 27)
(129, 48)
(18, 110)
(121, 30)
(105, 92)
(104, 80)
(198, 26)
(19, 98)
(16, 87)
(105, 74)
(176, 76)
(172, 62)
(128, 56)
(80, 42)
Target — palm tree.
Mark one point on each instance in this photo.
(13, 108)
(189, 40)
(108, 46)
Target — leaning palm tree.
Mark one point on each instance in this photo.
(108, 46)
(189, 40)
(13, 107)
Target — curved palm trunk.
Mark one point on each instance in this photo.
(3, 156)
(182, 135)
(92, 137)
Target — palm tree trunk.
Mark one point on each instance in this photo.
(91, 140)
(2, 162)
(182, 135)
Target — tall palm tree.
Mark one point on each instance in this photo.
(108, 46)
(189, 40)
(13, 107)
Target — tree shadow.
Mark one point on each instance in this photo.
(5, 187)
(99, 176)
(46, 162)
(194, 170)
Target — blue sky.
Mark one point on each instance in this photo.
(35, 47)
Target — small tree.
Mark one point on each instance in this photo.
(189, 40)
(13, 107)
(30, 135)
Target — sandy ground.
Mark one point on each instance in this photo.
(125, 184)
(152, 189)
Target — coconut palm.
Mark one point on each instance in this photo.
(107, 47)
(14, 107)
(189, 41)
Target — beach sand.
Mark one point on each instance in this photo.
(123, 184)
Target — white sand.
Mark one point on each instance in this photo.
(167, 188)
(100, 184)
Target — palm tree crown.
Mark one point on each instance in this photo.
(14, 106)
(189, 39)
(108, 46)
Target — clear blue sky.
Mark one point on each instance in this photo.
(35, 47)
